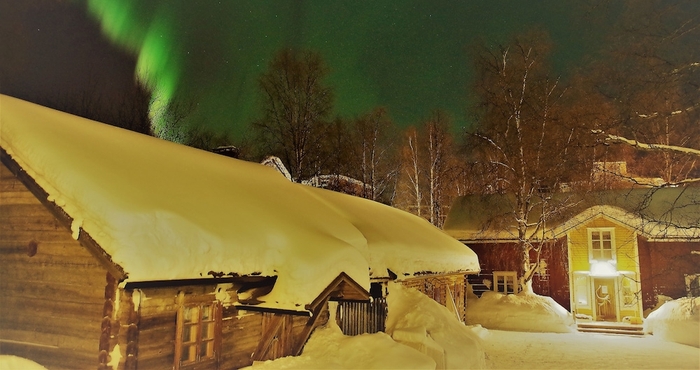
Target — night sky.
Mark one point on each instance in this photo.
(409, 56)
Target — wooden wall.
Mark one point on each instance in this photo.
(154, 334)
(663, 266)
(506, 257)
(52, 290)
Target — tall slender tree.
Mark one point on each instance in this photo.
(374, 153)
(296, 105)
(522, 137)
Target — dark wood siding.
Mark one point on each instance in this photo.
(506, 257)
(356, 317)
(241, 333)
(52, 290)
(663, 266)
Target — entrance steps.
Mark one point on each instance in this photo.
(602, 327)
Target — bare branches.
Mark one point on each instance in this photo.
(295, 108)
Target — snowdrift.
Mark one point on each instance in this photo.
(328, 348)
(418, 321)
(519, 312)
(9, 362)
(424, 335)
(676, 321)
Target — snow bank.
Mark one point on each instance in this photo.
(328, 348)
(519, 312)
(420, 322)
(676, 321)
(8, 362)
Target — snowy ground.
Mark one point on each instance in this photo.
(432, 331)
(520, 350)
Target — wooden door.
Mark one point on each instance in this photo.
(605, 299)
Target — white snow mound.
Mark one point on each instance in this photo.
(676, 321)
(9, 362)
(519, 312)
(418, 321)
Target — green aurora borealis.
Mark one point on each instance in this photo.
(410, 56)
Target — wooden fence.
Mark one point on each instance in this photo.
(356, 318)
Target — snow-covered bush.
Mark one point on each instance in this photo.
(676, 321)
(519, 312)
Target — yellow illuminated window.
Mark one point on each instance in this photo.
(602, 244)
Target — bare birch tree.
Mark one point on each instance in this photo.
(412, 172)
(374, 151)
(522, 136)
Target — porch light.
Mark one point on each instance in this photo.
(603, 269)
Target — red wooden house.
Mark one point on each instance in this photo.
(609, 255)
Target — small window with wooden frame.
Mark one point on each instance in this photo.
(505, 282)
(601, 244)
(198, 332)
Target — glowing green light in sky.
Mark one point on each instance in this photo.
(155, 46)
(410, 56)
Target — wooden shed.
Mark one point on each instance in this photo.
(118, 250)
(610, 256)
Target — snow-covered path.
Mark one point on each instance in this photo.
(518, 350)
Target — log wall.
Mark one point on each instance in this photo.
(148, 321)
(52, 290)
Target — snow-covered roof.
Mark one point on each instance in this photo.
(401, 242)
(662, 214)
(164, 211)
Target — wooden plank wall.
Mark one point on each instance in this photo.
(241, 333)
(356, 318)
(663, 266)
(52, 289)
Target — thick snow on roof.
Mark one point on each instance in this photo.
(164, 211)
(656, 213)
(401, 242)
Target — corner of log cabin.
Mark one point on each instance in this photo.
(53, 302)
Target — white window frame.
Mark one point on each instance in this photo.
(503, 280)
(629, 289)
(613, 248)
(582, 287)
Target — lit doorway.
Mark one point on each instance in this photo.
(605, 306)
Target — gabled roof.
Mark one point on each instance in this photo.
(658, 213)
(161, 211)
